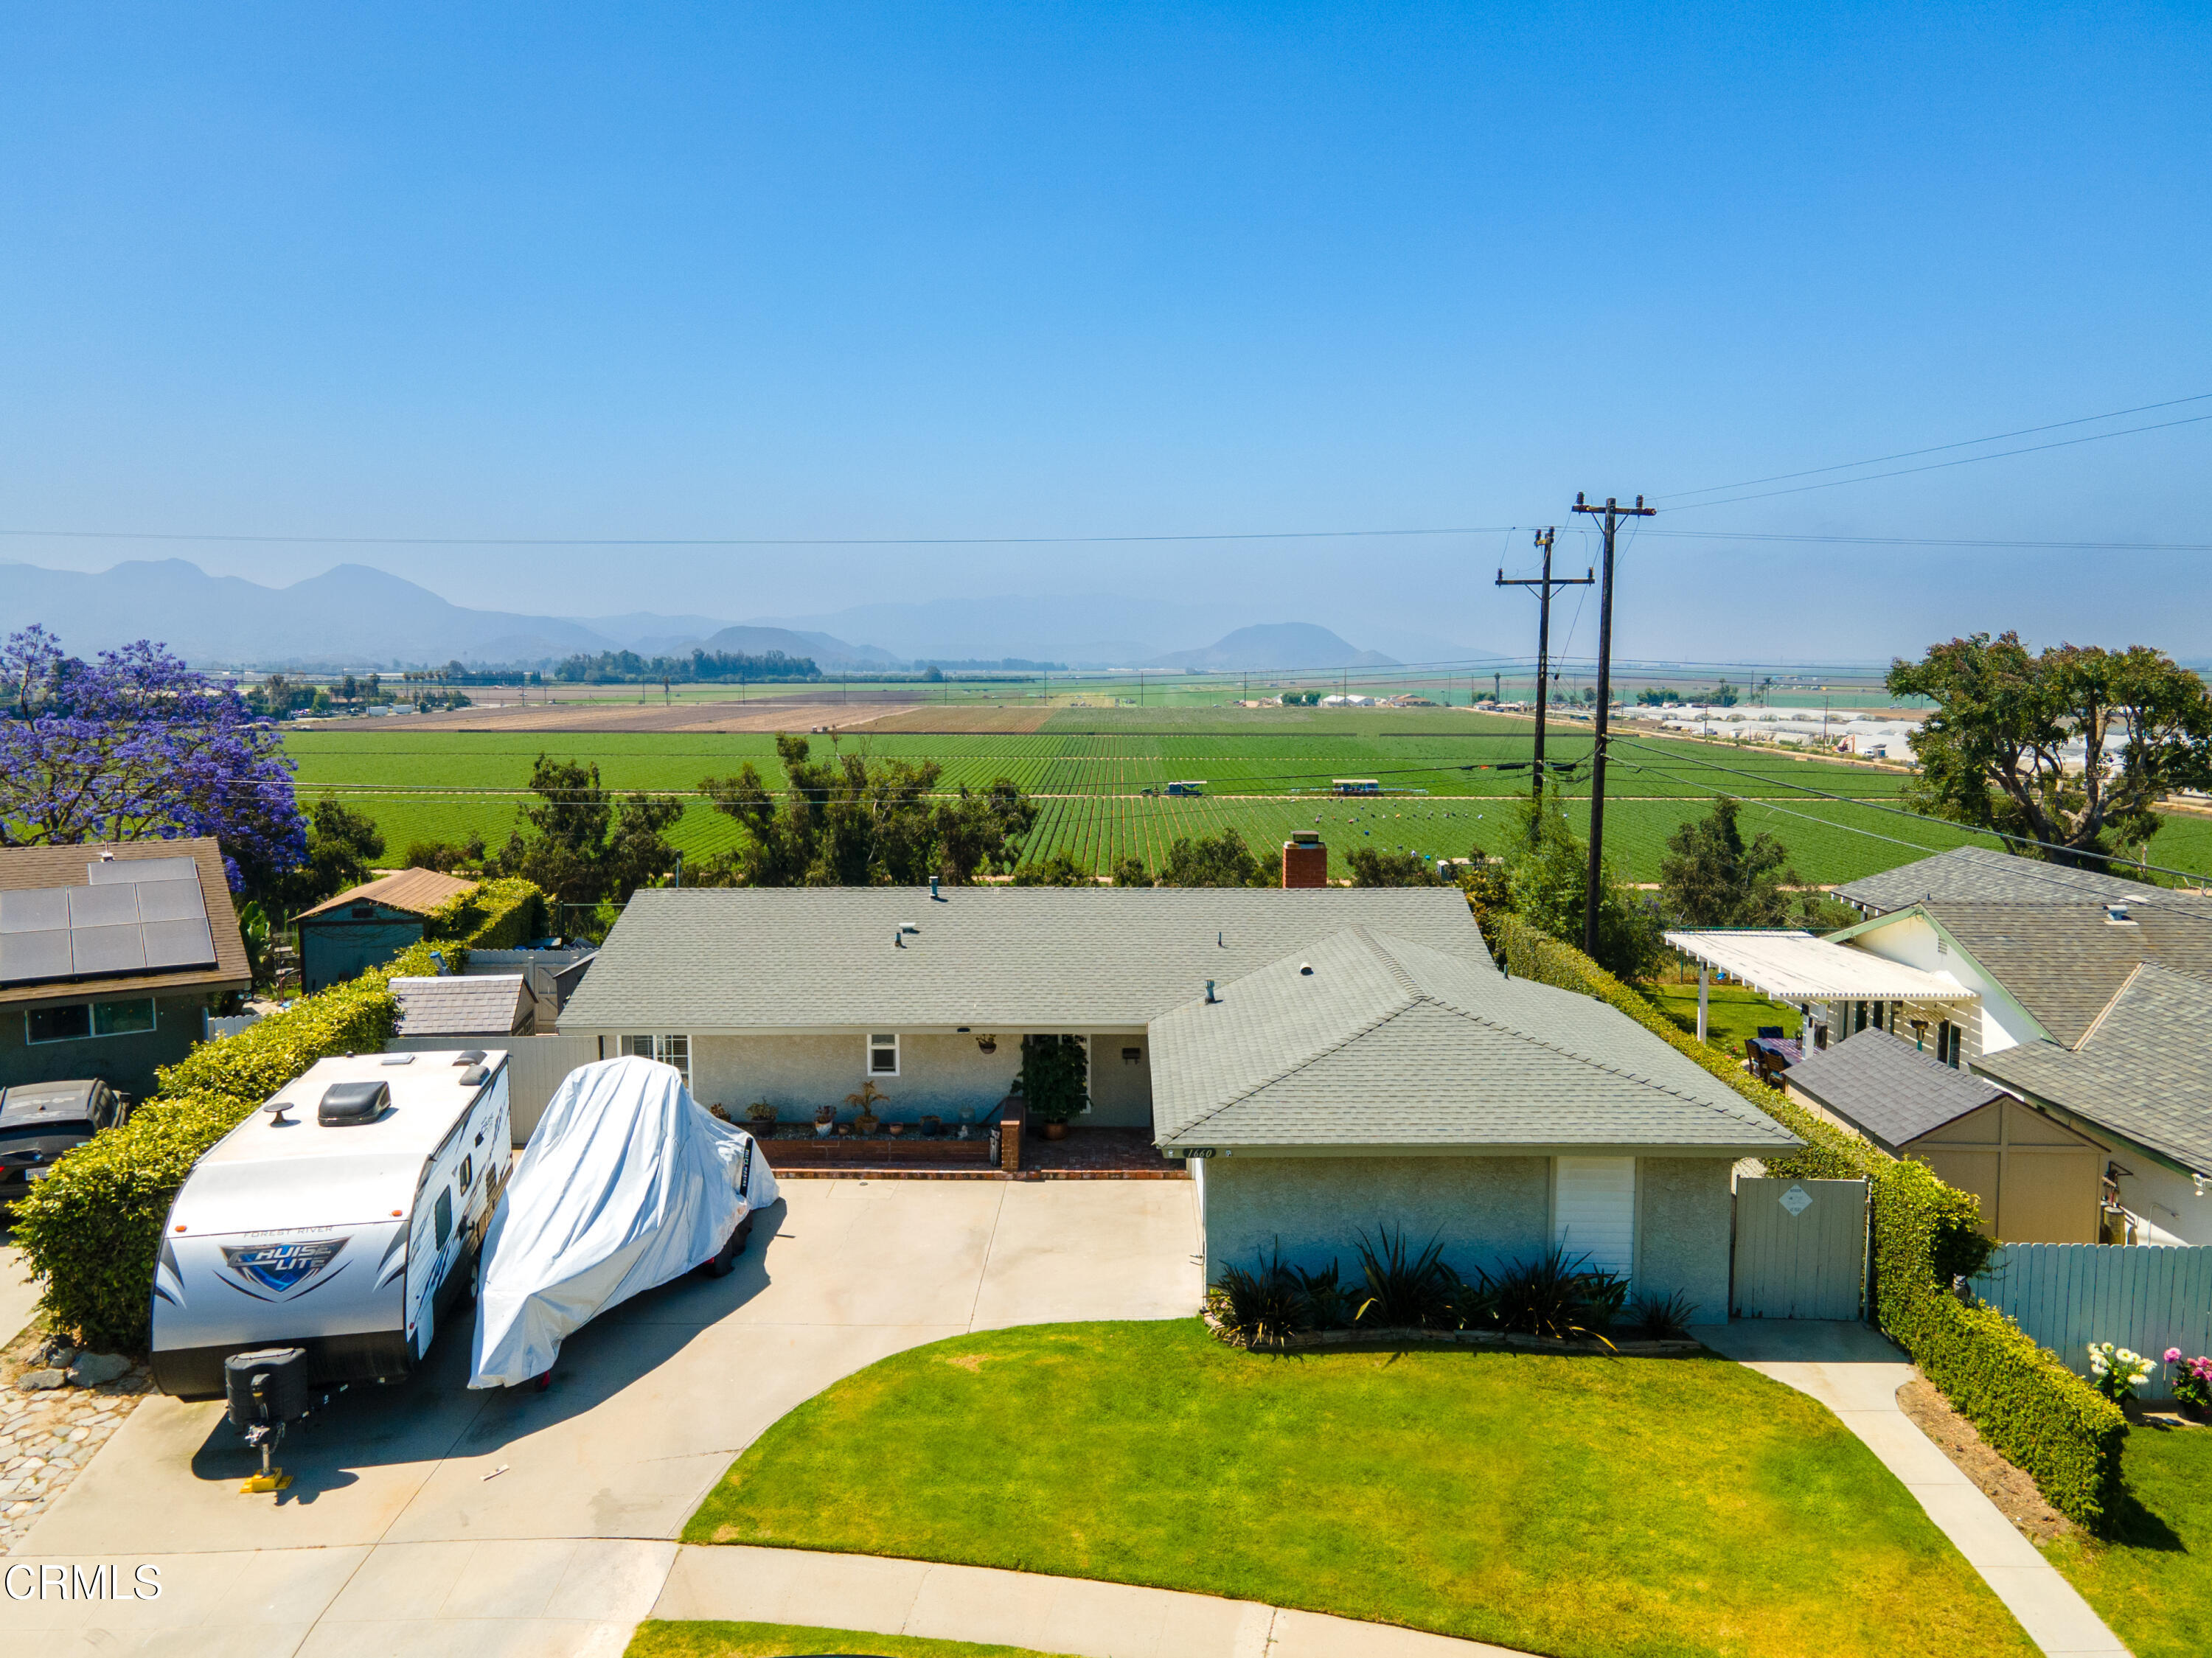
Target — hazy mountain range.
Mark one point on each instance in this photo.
(354, 617)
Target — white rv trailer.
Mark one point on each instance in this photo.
(337, 1219)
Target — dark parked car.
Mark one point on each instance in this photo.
(38, 1121)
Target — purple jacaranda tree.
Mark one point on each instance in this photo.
(136, 746)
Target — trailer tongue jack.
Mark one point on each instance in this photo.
(266, 1390)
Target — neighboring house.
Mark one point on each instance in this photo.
(1983, 875)
(1513, 1112)
(110, 955)
(367, 925)
(1369, 1081)
(2140, 1079)
(2039, 1180)
(490, 1005)
(2091, 1005)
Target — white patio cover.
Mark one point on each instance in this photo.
(1797, 967)
(627, 1182)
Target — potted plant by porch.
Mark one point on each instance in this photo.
(762, 1115)
(865, 1101)
(1052, 1082)
(825, 1121)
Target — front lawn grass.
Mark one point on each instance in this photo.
(2152, 1581)
(1561, 1505)
(711, 1639)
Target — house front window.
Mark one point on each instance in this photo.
(674, 1050)
(68, 1024)
(882, 1055)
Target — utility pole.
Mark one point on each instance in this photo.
(1613, 513)
(1545, 586)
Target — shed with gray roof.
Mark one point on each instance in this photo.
(2038, 1179)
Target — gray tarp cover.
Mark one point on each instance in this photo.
(626, 1183)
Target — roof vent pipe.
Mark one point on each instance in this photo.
(1210, 996)
(933, 891)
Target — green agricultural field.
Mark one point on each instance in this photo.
(1266, 772)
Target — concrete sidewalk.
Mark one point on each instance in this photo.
(1020, 1609)
(1855, 1372)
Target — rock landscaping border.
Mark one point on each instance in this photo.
(57, 1407)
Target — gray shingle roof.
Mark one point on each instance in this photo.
(1983, 875)
(1390, 1043)
(1882, 1085)
(2065, 962)
(994, 958)
(476, 1005)
(2144, 1070)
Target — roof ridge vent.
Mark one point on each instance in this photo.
(2116, 911)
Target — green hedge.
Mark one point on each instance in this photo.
(2027, 1404)
(91, 1230)
(505, 913)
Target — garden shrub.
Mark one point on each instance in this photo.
(2027, 1404)
(91, 1230)
(505, 913)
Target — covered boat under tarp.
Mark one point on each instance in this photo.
(627, 1182)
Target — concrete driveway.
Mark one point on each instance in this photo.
(428, 1505)
(19, 1297)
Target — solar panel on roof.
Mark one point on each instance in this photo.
(102, 907)
(127, 871)
(40, 909)
(108, 949)
(27, 955)
(178, 943)
(170, 900)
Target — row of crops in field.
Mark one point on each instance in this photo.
(1264, 782)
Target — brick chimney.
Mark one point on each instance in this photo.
(1305, 860)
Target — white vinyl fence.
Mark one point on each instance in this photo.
(2065, 1296)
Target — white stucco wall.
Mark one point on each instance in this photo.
(1488, 1211)
(939, 1074)
(2166, 1203)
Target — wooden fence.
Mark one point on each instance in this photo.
(2066, 1296)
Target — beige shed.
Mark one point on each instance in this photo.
(2039, 1180)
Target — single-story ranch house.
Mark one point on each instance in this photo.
(1330, 1059)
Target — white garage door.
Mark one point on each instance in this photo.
(1594, 1210)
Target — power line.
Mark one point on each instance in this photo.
(1939, 448)
(1939, 465)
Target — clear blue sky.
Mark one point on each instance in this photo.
(803, 270)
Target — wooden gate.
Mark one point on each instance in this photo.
(1800, 1249)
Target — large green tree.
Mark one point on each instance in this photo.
(342, 846)
(1547, 875)
(1214, 860)
(588, 847)
(851, 821)
(1372, 868)
(1993, 753)
(1712, 876)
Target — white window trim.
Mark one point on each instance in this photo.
(873, 1047)
(664, 1044)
